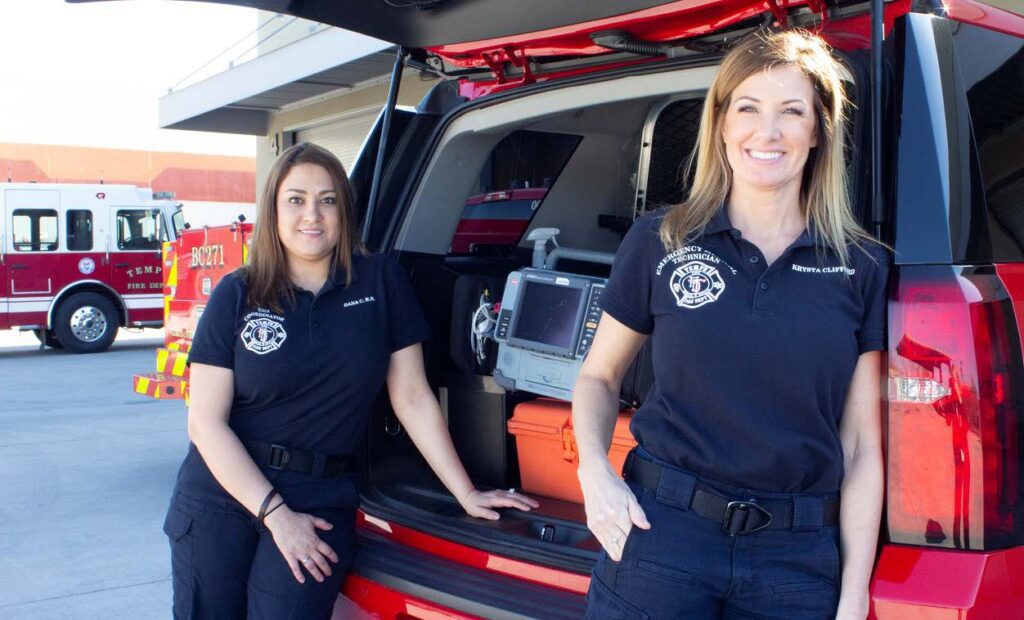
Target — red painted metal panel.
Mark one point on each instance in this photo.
(389, 604)
(932, 584)
(145, 315)
(689, 18)
(477, 558)
(198, 261)
(32, 274)
(27, 319)
(674, 20)
(974, 12)
(136, 273)
(78, 266)
(855, 32)
(474, 89)
(33, 278)
(500, 232)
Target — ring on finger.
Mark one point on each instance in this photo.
(306, 561)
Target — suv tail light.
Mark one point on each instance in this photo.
(955, 409)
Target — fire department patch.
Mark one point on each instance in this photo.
(262, 335)
(86, 266)
(695, 284)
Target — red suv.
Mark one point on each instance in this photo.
(576, 116)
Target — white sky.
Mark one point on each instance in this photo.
(91, 74)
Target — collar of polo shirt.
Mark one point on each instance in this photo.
(720, 223)
(335, 280)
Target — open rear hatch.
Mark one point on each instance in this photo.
(488, 34)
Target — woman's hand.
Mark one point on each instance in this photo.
(612, 509)
(478, 504)
(295, 536)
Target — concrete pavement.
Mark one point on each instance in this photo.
(86, 470)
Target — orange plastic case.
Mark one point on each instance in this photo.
(548, 457)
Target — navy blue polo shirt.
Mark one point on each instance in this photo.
(308, 378)
(752, 363)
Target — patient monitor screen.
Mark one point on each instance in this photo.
(547, 314)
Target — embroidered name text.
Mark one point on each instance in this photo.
(356, 302)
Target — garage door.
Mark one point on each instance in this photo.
(343, 137)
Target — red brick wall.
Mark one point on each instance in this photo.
(214, 178)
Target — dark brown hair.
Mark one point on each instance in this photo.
(266, 275)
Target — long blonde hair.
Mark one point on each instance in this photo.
(824, 198)
(267, 272)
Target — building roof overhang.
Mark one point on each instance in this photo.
(241, 99)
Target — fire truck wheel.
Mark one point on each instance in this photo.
(86, 323)
(48, 338)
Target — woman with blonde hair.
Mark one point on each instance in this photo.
(765, 304)
(286, 363)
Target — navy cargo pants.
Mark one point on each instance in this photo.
(224, 565)
(686, 566)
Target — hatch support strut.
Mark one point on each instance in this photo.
(877, 49)
(385, 129)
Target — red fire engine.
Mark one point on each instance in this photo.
(78, 261)
(193, 265)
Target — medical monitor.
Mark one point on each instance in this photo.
(548, 318)
(545, 328)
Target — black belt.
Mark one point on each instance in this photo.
(279, 457)
(737, 517)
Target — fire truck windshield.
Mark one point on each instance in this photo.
(140, 229)
(178, 222)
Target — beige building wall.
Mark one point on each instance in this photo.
(331, 106)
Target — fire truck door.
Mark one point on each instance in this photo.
(134, 242)
(31, 253)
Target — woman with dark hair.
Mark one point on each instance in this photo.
(765, 304)
(286, 362)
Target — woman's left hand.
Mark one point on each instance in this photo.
(478, 504)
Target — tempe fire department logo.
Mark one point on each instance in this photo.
(86, 266)
(695, 284)
(263, 335)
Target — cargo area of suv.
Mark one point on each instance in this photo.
(587, 146)
(600, 151)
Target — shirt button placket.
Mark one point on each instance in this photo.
(759, 272)
(313, 323)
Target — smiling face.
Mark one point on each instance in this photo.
(769, 129)
(308, 214)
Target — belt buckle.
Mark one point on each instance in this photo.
(279, 457)
(737, 517)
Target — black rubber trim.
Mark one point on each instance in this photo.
(484, 536)
(457, 586)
